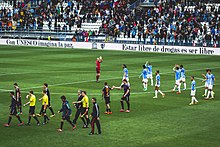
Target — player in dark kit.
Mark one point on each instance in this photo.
(13, 111)
(45, 86)
(106, 96)
(95, 117)
(125, 96)
(18, 98)
(66, 112)
(32, 103)
(98, 68)
(78, 107)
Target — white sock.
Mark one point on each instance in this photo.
(195, 100)
(212, 95)
(192, 100)
(179, 88)
(184, 85)
(156, 93)
(144, 84)
(206, 90)
(160, 92)
(174, 88)
(208, 94)
(152, 82)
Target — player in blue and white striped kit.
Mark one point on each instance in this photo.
(210, 79)
(125, 74)
(177, 78)
(193, 91)
(183, 77)
(144, 76)
(149, 72)
(157, 85)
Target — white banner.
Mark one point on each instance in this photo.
(115, 46)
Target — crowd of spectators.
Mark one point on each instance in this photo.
(168, 22)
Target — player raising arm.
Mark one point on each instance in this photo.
(98, 68)
(144, 76)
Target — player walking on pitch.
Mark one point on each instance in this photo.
(149, 72)
(66, 112)
(106, 96)
(32, 103)
(177, 78)
(182, 77)
(45, 86)
(95, 118)
(13, 111)
(193, 91)
(98, 68)
(157, 85)
(18, 98)
(45, 103)
(125, 74)
(144, 76)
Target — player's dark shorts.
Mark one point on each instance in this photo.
(13, 111)
(98, 70)
(42, 109)
(107, 100)
(32, 110)
(66, 117)
(125, 98)
(83, 111)
(19, 102)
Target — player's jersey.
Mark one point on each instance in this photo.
(48, 93)
(98, 64)
(177, 74)
(158, 79)
(126, 88)
(66, 109)
(193, 85)
(45, 100)
(183, 73)
(210, 79)
(125, 72)
(85, 102)
(13, 102)
(32, 100)
(106, 91)
(144, 74)
(17, 92)
(150, 68)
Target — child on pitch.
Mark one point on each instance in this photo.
(193, 91)
(157, 85)
(66, 112)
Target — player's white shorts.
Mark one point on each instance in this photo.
(193, 92)
(210, 86)
(183, 79)
(149, 76)
(206, 84)
(144, 80)
(177, 82)
(156, 85)
(125, 78)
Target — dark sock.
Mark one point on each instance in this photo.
(128, 103)
(51, 109)
(109, 110)
(19, 119)
(87, 121)
(106, 110)
(29, 119)
(97, 78)
(9, 120)
(84, 122)
(36, 119)
(70, 122)
(122, 104)
(45, 118)
(61, 125)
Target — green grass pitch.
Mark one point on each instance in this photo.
(152, 122)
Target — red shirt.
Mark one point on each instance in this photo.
(98, 65)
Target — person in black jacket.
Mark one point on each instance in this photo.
(66, 114)
(95, 117)
(13, 111)
(78, 107)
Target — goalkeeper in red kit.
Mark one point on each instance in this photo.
(98, 68)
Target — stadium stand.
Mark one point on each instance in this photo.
(143, 21)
